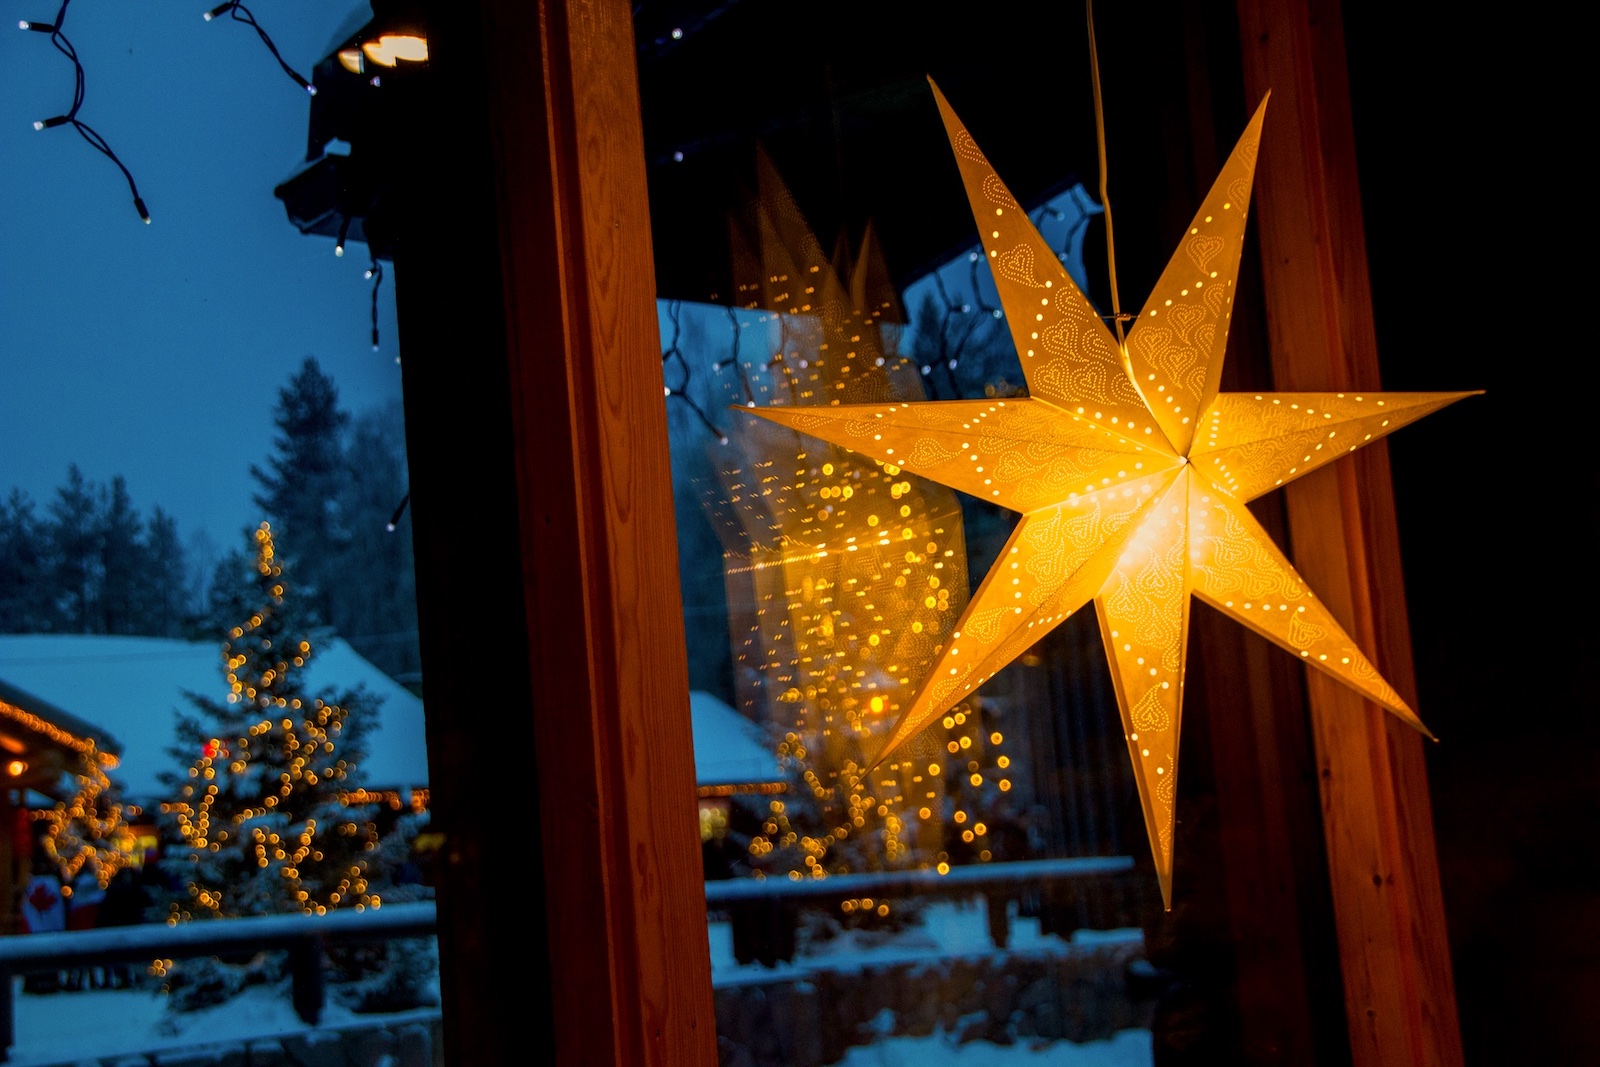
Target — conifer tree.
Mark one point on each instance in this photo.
(26, 604)
(374, 605)
(77, 545)
(160, 586)
(124, 563)
(259, 820)
(258, 811)
(305, 483)
(91, 565)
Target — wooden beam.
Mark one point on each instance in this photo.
(601, 558)
(1399, 992)
(572, 908)
(13, 869)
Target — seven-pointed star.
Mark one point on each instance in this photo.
(1131, 473)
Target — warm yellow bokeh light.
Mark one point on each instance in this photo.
(1131, 474)
(844, 575)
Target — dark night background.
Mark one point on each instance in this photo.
(1469, 131)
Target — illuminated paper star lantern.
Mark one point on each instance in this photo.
(1131, 473)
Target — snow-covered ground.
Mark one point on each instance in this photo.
(1130, 1048)
(50, 1028)
(55, 1028)
(947, 929)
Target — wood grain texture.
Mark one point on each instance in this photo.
(1399, 993)
(626, 907)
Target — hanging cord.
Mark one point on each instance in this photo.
(240, 13)
(87, 132)
(1117, 317)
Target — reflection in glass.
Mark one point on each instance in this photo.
(864, 904)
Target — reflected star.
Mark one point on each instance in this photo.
(1131, 473)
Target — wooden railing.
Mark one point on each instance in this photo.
(304, 937)
(958, 880)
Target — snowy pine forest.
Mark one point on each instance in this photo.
(92, 560)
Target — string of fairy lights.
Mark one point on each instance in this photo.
(232, 10)
(673, 353)
(70, 116)
(239, 13)
(970, 314)
(58, 38)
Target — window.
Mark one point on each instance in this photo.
(635, 893)
(551, 612)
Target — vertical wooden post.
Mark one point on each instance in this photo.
(12, 869)
(308, 978)
(572, 906)
(1399, 992)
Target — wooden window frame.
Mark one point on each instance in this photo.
(1377, 814)
(571, 901)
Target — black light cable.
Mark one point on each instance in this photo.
(87, 132)
(375, 272)
(673, 352)
(239, 13)
(733, 358)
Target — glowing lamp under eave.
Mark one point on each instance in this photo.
(387, 50)
(16, 768)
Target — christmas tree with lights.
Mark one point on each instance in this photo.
(262, 820)
(89, 831)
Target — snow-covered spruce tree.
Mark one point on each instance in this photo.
(259, 822)
(305, 489)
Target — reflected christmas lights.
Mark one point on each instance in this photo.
(844, 573)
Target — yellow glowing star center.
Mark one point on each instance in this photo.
(1131, 473)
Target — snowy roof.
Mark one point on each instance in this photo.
(33, 704)
(129, 688)
(125, 689)
(727, 746)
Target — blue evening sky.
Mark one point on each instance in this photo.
(156, 352)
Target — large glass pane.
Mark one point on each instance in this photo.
(209, 671)
(990, 889)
